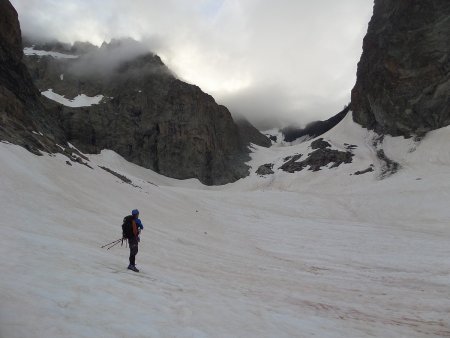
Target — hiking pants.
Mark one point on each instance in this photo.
(133, 244)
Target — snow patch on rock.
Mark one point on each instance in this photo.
(81, 100)
(32, 51)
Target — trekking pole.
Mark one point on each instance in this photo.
(113, 245)
(113, 242)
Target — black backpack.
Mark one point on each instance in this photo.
(127, 228)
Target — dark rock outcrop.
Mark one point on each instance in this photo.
(265, 169)
(121, 177)
(365, 171)
(290, 162)
(320, 144)
(147, 115)
(388, 166)
(319, 158)
(23, 118)
(403, 78)
(314, 129)
(273, 138)
(350, 146)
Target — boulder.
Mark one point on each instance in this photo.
(265, 169)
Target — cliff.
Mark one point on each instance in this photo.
(146, 114)
(403, 77)
(24, 120)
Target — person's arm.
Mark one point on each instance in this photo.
(139, 224)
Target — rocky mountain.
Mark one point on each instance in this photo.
(77, 48)
(249, 134)
(144, 112)
(133, 104)
(24, 119)
(403, 79)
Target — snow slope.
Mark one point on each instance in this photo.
(81, 100)
(324, 254)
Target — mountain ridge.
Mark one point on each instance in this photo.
(157, 120)
(149, 116)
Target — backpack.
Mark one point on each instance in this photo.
(127, 228)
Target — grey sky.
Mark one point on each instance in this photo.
(275, 62)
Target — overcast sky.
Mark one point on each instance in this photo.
(275, 62)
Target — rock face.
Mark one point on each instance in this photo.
(249, 134)
(403, 78)
(147, 115)
(23, 118)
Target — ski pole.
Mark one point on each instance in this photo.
(118, 240)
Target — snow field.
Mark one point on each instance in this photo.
(324, 254)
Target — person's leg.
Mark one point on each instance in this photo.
(132, 242)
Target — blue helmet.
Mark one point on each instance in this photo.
(135, 212)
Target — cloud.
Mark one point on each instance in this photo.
(111, 59)
(275, 62)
